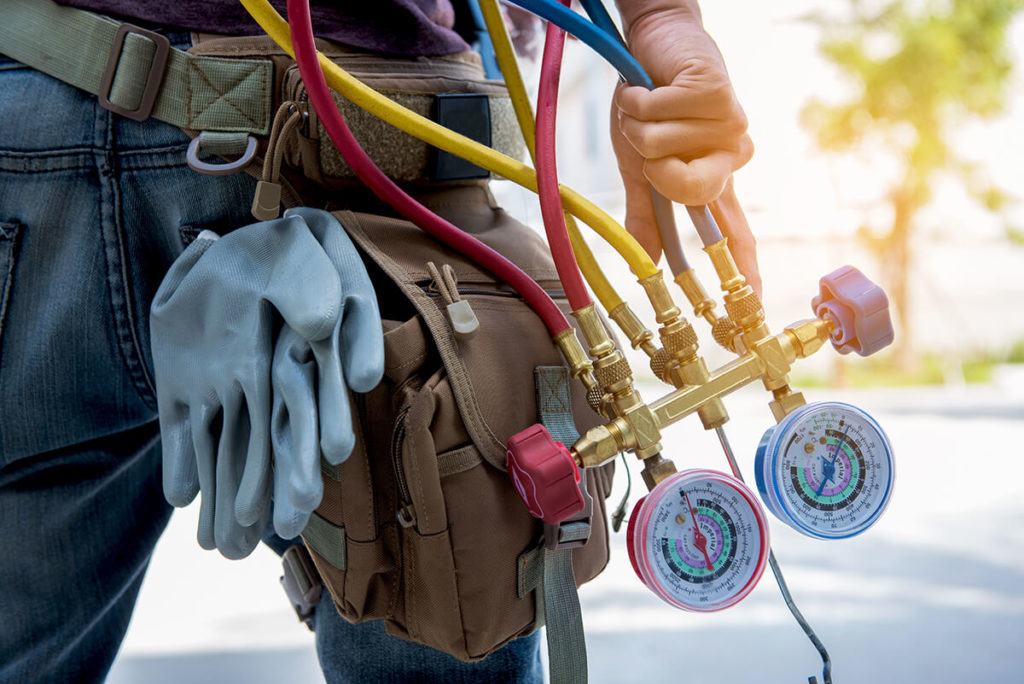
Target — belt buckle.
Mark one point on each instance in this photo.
(153, 81)
(574, 532)
(301, 582)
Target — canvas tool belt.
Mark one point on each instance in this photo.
(421, 526)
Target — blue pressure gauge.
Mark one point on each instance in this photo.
(826, 470)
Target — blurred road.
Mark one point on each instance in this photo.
(933, 593)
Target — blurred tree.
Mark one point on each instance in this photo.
(922, 67)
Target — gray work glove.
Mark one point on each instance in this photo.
(213, 322)
(311, 411)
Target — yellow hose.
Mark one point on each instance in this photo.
(380, 106)
(506, 56)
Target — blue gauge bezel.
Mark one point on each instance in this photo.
(767, 458)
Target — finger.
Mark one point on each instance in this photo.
(254, 488)
(204, 418)
(180, 478)
(298, 485)
(336, 435)
(699, 181)
(233, 539)
(686, 138)
(696, 99)
(640, 218)
(729, 215)
(362, 341)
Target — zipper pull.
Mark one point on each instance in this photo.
(460, 313)
(406, 516)
(266, 204)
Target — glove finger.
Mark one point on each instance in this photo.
(336, 435)
(254, 487)
(298, 486)
(180, 479)
(233, 539)
(181, 267)
(362, 341)
(289, 521)
(304, 285)
(203, 418)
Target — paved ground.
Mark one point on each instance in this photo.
(933, 593)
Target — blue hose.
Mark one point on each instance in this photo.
(611, 48)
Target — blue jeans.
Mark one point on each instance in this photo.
(93, 210)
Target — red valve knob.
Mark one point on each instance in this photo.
(545, 475)
(859, 309)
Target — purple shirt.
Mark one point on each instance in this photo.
(400, 27)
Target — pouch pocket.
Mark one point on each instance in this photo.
(440, 563)
(463, 529)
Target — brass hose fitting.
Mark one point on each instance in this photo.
(702, 303)
(659, 362)
(655, 470)
(594, 332)
(633, 423)
(665, 309)
(629, 323)
(725, 332)
(580, 366)
(741, 302)
(785, 402)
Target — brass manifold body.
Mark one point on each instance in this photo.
(636, 426)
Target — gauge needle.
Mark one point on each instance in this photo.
(699, 540)
(830, 466)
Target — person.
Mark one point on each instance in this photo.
(95, 208)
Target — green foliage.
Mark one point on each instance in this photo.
(889, 371)
(916, 73)
(1016, 354)
(917, 69)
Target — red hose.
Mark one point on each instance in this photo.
(547, 170)
(319, 95)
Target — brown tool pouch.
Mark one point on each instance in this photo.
(421, 526)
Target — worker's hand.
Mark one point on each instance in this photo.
(213, 325)
(311, 411)
(688, 135)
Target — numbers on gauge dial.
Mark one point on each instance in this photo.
(829, 469)
(701, 540)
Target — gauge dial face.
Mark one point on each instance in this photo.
(699, 540)
(826, 470)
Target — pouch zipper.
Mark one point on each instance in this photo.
(433, 292)
(406, 512)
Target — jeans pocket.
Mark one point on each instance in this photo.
(9, 232)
